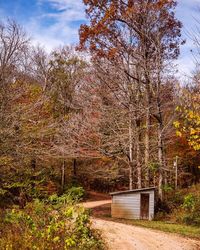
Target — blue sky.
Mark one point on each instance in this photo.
(56, 22)
(48, 22)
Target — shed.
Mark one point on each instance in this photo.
(133, 204)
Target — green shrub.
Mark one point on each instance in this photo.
(182, 206)
(189, 202)
(167, 188)
(191, 207)
(72, 196)
(189, 213)
(76, 193)
(40, 226)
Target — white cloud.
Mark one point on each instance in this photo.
(67, 10)
(64, 23)
(187, 12)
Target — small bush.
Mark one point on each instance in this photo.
(182, 206)
(72, 196)
(189, 202)
(76, 193)
(191, 210)
(40, 226)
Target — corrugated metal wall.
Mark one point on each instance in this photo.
(128, 205)
(151, 205)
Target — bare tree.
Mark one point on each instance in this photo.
(13, 48)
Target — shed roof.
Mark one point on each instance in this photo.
(133, 191)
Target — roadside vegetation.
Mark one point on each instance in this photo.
(183, 206)
(56, 222)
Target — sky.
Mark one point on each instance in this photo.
(52, 23)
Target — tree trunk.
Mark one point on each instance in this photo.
(130, 153)
(147, 139)
(74, 168)
(160, 145)
(160, 137)
(138, 156)
(166, 170)
(63, 175)
(176, 172)
(160, 160)
(130, 175)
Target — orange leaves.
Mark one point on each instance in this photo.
(112, 52)
(162, 3)
(114, 24)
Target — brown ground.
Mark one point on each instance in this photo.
(120, 236)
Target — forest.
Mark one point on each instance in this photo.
(107, 114)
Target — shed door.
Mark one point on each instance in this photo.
(144, 206)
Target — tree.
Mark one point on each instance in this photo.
(139, 38)
(13, 49)
(65, 75)
(188, 111)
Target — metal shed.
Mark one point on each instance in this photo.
(133, 204)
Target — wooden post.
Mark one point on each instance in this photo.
(176, 172)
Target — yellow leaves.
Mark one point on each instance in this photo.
(194, 141)
(191, 114)
(192, 131)
(196, 147)
(188, 125)
(176, 124)
(56, 239)
(178, 133)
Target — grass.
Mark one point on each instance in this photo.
(186, 231)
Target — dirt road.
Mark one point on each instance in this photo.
(127, 237)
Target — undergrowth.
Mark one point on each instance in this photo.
(183, 206)
(46, 226)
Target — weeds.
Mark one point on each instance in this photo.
(43, 226)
